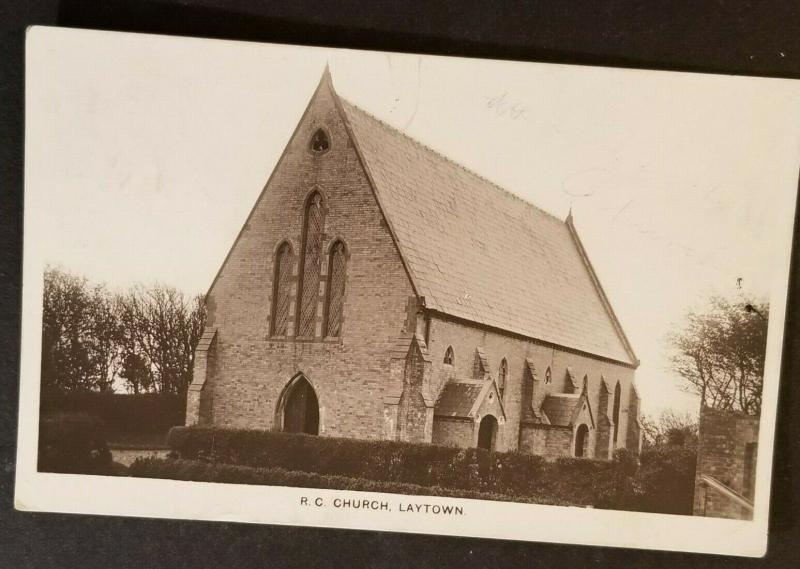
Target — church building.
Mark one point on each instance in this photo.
(378, 290)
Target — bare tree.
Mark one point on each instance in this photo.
(670, 428)
(90, 337)
(720, 353)
(160, 331)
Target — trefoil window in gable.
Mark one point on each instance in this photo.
(320, 143)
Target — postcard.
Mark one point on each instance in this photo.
(291, 285)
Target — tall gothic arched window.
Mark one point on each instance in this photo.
(501, 377)
(334, 305)
(281, 287)
(308, 288)
(617, 397)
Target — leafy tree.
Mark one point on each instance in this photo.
(78, 334)
(720, 353)
(136, 372)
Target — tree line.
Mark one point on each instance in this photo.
(93, 338)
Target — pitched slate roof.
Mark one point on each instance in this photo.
(560, 408)
(458, 398)
(478, 252)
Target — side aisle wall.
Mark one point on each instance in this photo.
(464, 340)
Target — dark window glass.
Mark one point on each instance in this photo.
(617, 397)
(281, 289)
(334, 310)
(319, 142)
(310, 268)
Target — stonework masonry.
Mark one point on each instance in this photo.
(496, 346)
(727, 452)
(384, 371)
(348, 373)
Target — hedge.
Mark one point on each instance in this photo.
(198, 471)
(664, 482)
(567, 480)
(73, 443)
(121, 412)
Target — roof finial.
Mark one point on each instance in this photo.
(326, 76)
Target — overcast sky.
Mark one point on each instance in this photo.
(144, 155)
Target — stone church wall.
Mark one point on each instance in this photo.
(349, 373)
(727, 452)
(465, 337)
(453, 432)
(546, 440)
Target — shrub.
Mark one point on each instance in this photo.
(665, 480)
(660, 480)
(574, 481)
(198, 471)
(121, 412)
(73, 443)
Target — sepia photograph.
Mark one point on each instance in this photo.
(308, 286)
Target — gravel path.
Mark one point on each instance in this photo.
(127, 456)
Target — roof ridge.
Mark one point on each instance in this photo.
(448, 159)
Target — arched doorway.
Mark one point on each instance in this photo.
(300, 407)
(487, 433)
(581, 438)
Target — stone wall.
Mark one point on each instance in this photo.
(349, 373)
(546, 440)
(352, 375)
(453, 432)
(464, 338)
(726, 452)
(412, 413)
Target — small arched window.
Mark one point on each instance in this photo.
(548, 376)
(308, 287)
(320, 143)
(617, 397)
(449, 357)
(501, 377)
(281, 287)
(334, 305)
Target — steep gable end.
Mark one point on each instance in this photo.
(321, 167)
